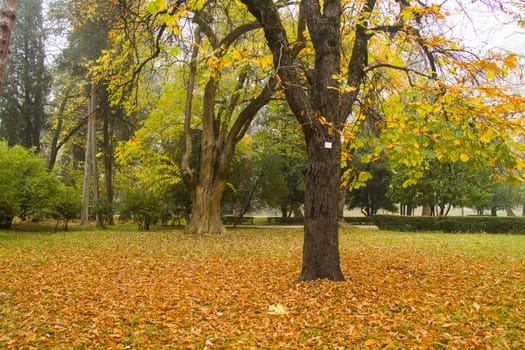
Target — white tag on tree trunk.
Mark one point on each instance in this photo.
(328, 145)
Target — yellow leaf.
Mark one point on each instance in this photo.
(265, 61)
(510, 61)
(239, 55)
(307, 51)
(370, 342)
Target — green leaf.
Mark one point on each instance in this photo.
(155, 6)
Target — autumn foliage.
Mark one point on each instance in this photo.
(166, 289)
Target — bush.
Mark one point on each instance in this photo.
(103, 209)
(143, 208)
(451, 224)
(27, 189)
(66, 205)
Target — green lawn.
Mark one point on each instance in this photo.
(164, 289)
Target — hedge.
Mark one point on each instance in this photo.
(359, 220)
(451, 224)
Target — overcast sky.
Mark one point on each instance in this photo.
(485, 29)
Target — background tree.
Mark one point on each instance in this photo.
(26, 83)
(91, 23)
(225, 119)
(280, 146)
(375, 194)
(229, 94)
(505, 197)
(243, 189)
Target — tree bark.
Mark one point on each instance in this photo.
(7, 20)
(93, 144)
(88, 168)
(108, 115)
(321, 240)
(90, 164)
(205, 215)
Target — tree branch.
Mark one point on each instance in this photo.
(188, 173)
(405, 69)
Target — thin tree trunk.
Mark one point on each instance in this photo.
(296, 209)
(88, 168)
(90, 163)
(108, 164)
(248, 201)
(93, 144)
(7, 20)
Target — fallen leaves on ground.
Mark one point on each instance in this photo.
(116, 290)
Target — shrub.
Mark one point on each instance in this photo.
(27, 189)
(359, 220)
(143, 208)
(66, 205)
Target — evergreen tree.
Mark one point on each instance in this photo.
(26, 84)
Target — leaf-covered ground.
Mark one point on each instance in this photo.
(129, 290)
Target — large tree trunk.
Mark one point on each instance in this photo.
(322, 181)
(7, 20)
(205, 215)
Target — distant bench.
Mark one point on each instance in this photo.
(231, 219)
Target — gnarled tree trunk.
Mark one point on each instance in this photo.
(206, 181)
(206, 211)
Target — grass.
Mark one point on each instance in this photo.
(120, 288)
